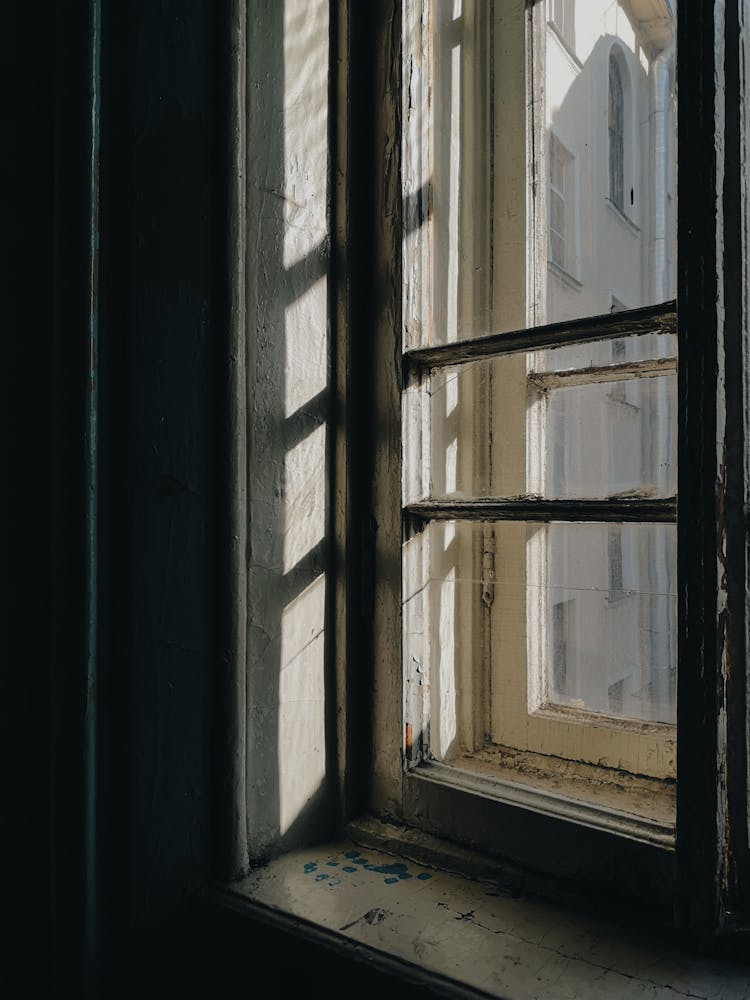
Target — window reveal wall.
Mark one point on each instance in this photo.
(290, 763)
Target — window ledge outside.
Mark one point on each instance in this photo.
(564, 275)
(622, 218)
(460, 936)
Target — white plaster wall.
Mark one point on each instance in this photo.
(288, 352)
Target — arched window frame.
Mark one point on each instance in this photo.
(616, 129)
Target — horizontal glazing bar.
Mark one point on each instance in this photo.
(603, 373)
(532, 509)
(634, 322)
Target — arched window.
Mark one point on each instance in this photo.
(616, 134)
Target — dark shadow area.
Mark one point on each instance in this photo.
(28, 266)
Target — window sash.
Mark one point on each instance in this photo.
(660, 319)
(703, 830)
(416, 516)
(421, 363)
(533, 509)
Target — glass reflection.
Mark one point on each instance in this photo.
(587, 421)
(608, 114)
(586, 224)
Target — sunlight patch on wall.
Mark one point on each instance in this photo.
(306, 347)
(447, 638)
(304, 495)
(305, 118)
(301, 735)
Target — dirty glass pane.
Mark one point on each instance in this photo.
(613, 438)
(599, 231)
(561, 617)
(617, 350)
(606, 95)
(445, 635)
(608, 607)
(589, 421)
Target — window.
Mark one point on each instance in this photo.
(510, 476)
(615, 119)
(541, 632)
(615, 561)
(539, 466)
(547, 673)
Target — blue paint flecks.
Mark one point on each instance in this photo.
(397, 871)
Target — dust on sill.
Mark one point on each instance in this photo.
(476, 935)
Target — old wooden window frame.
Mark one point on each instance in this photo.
(703, 884)
(479, 767)
(708, 866)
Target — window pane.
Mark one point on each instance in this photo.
(610, 609)
(660, 347)
(600, 116)
(588, 421)
(514, 630)
(610, 439)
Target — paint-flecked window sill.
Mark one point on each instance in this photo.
(469, 934)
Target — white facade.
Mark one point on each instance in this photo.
(609, 105)
(619, 256)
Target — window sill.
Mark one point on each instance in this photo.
(605, 799)
(446, 935)
(622, 218)
(564, 276)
